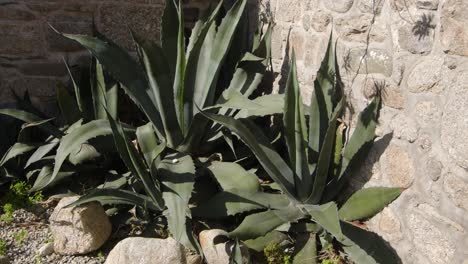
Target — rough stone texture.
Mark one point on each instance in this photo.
(454, 128)
(453, 27)
(79, 230)
(216, 247)
(46, 249)
(340, 6)
(426, 75)
(371, 61)
(150, 251)
(439, 249)
(457, 190)
(399, 166)
(414, 40)
(404, 128)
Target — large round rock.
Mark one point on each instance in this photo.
(79, 230)
(150, 251)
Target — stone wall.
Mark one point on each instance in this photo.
(31, 53)
(417, 51)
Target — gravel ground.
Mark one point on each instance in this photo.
(29, 232)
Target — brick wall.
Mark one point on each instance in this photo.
(31, 53)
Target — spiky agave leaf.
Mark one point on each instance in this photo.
(368, 202)
(177, 173)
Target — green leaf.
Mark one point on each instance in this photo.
(16, 150)
(259, 144)
(236, 254)
(112, 99)
(148, 143)
(232, 176)
(72, 141)
(365, 247)
(205, 61)
(67, 104)
(32, 119)
(159, 79)
(177, 173)
(135, 163)
(251, 228)
(325, 158)
(326, 215)
(295, 134)
(326, 77)
(114, 197)
(42, 151)
(98, 90)
(363, 134)
(179, 75)
(85, 152)
(125, 70)
(272, 238)
(44, 179)
(368, 202)
(308, 252)
(321, 106)
(79, 101)
(170, 30)
(261, 106)
(232, 202)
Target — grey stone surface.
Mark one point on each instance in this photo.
(398, 166)
(425, 76)
(216, 247)
(150, 251)
(453, 27)
(46, 249)
(79, 230)
(372, 61)
(340, 6)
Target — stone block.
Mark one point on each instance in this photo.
(426, 75)
(454, 32)
(16, 12)
(398, 166)
(457, 190)
(340, 6)
(427, 4)
(418, 38)
(115, 23)
(356, 28)
(20, 40)
(43, 68)
(374, 61)
(454, 125)
(405, 128)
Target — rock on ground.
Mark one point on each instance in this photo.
(79, 230)
(216, 247)
(150, 251)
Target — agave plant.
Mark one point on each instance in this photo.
(173, 83)
(318, 166)
(81, 113)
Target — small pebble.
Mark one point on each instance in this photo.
(46, 249)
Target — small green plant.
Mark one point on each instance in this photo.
(100, 255)
(7, 215)
(276, 255)
(20, 237)
(3, 247)
(48, 240)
